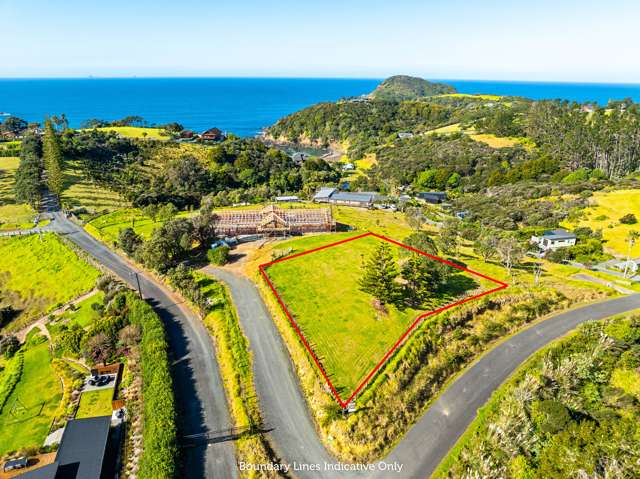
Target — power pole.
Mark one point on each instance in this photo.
(135, 273)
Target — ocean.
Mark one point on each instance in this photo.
(240, 105)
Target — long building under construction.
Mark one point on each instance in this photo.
(273, 221)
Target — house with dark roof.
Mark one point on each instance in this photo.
(213, 134)
(323, 194)
(554, 239)
(433, 197)
(360, 199)
(84, 452)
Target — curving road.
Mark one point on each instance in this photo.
(420, 451)
(200, 397)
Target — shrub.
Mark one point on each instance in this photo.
(629, 219)
(218, 256)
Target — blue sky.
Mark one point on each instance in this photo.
(561, 40)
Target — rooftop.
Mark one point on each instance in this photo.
(558, 234)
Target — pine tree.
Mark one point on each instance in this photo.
(379, 274)
(53, 158)
(29, 174)
(420, 283)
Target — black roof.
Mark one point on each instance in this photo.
(83, 447)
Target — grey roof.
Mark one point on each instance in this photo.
(362, 197)
(83, 447)
(324, 192)
(558, 235)
(45, 472)
(432, 194)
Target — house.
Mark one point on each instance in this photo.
(462, 214)
(323, 194)
(272, 221)
(213, 134)
(405, 135)
(348, 167)
(299, 157)
(360, 199)
(433, 197)
(287, 199)
(85, 452)
(187, 134)
(554, 239)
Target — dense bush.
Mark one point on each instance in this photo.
(629, 219)
(218, 256)
(10, 377)
(573, 411)
(159, 431)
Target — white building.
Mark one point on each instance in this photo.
(554, 239)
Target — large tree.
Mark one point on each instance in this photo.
(28, 185)
(53, 159)
(378, 275)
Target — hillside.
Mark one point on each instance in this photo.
(403, 87)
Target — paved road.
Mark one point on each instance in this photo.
(428, 441)
(200, 398)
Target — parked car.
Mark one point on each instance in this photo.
(14, 464)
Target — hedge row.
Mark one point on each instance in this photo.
(10, 377)
(159, 423)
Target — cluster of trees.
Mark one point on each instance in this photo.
(14, 126)
(41, 164)
(421, 277)
(364, 125)
(153, 173)
(29, 175)
(607, 139)
(573, 412)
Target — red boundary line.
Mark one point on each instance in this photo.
(263, 267)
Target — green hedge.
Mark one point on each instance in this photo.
(10, 377)
(159, 429)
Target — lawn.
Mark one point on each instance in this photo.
(136, 132)
(79, 191)
(84, 314)
(347, 333)
(12, 215)
(27, 415)
(95, 403)
(108, 226)
(38, 274)
(604, 214)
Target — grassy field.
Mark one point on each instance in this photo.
(468, 95)
(34, 402)
(136, 132)
(443, 130)
(37, 275)
(107, 227)
(79, 191)
(12, 215)
(95, 403)
(321, 290)
(605, 213)
(501, 142)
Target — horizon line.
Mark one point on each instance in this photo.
(293, 77)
